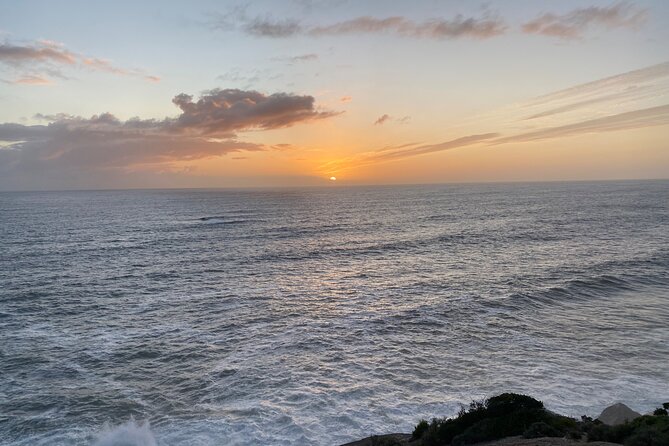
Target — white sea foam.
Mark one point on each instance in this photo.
(127, 434)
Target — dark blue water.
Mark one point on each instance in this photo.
(316, 316)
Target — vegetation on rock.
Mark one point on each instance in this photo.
(511, 414)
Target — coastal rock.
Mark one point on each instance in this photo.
(617, 414)
(382, 440)
(405, 440)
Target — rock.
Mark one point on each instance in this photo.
(617, 414)
(383, 440)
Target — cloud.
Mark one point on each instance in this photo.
(387, 155)
(283, 146)
(647, 117)
(31, 80)
(573, 24)
(209, 126)
(272, 28)
(248, 78)
(633, 100)
(404, 151)
(44, 58)
(345, 99)
(219, 112)
(292, 60)
(625, 91)
(42, 51)
(617, 83)
(385, 118)
(436, 28)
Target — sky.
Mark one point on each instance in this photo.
(169, 94)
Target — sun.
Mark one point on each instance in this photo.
(333, 178)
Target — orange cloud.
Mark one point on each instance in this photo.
(48, 56)
(32, 80)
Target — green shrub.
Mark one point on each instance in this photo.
(501, 416)
(375, 440)
(647, 430)
(420, 429)
(541, 429)
(511, 414)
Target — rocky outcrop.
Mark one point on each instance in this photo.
(617, 414)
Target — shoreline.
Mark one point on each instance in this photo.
(519, 420)
(398, 439)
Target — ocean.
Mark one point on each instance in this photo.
(318, 316)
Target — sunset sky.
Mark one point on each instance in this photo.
(286, 93)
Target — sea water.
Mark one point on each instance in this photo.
(318, 316)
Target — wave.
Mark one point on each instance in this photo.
(587, 288)
(222, 220)
(127, 434)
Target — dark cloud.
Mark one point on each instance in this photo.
(385, 118)
(35, 62)
(272, 28)
(382, 119)
(206, 127)
(573, 24)
(219, 112)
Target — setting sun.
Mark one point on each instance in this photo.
(304, 222)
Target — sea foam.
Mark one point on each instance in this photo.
(127, 434)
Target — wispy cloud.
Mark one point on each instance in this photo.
(387, 118)
(43, 59)
(248, 78)
(403, 151)
(647, 117)
(292, 60)
(31, 80)
(436, 28)
(459, 26)
(571, 25)
(208, 126)
(633, 100)
(575, 23)
(623, 92)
